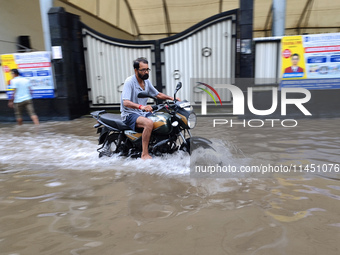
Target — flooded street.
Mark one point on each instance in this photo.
(58, 197)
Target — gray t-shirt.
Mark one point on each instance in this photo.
(130, 91)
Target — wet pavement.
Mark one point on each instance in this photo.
(58, 197)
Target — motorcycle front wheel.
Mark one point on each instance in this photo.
(186, 146)
(194, 143)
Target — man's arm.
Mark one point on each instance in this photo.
(10, 101)
(130, 104)
(30, 88)
(162, 96)
(154, 92)
(13, 86)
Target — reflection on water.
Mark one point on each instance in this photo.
(58, 197)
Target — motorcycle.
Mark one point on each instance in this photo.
(172, 122)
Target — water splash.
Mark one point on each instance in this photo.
(50, 150)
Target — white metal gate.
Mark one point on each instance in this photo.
(267, 60)
(108, 64)
(205, 53)
(207, 50)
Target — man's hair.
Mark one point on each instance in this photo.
(137, 61)
(15, 72)
(295, 55)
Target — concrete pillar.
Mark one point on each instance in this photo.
(279, 17)
(45, 6)
(70, 74)
(245, 55)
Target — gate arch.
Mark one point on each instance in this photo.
(204, 51)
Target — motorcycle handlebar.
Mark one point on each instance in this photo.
(154, 107)
(161, 106)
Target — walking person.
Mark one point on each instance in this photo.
(22, 98)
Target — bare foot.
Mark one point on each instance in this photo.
(146, 156)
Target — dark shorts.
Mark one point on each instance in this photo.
(20, 107)
(132, 118)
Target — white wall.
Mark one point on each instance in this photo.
(23, 17)
(17, 18)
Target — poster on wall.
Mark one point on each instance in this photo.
(34, 66)
(311, 61)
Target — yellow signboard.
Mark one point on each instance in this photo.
(293, 58)
(8, 63)
(35, 67)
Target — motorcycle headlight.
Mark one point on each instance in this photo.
(192, 120)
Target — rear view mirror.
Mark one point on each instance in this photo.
(179, 86)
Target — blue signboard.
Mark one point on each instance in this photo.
(311, 61)
(35, 67)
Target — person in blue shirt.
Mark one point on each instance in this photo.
(22, 97)
(134, 110)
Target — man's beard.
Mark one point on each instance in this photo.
(143, 77)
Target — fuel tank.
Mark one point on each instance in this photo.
(161, 126)
(161, 123)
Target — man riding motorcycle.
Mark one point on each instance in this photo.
(134, 110)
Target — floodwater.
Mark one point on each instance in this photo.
(58, 197)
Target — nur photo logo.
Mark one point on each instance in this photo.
(208, 92)
(240, 101)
